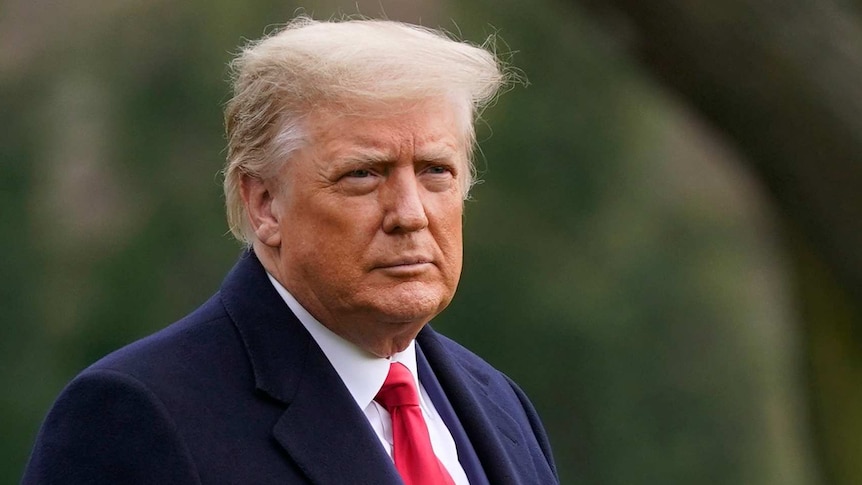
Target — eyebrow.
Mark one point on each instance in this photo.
(361, 159)
(369, 157)
(435, 153)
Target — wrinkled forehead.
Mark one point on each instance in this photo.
(433, 125)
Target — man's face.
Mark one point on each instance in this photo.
(369, 221)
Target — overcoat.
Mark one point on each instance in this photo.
(238, 392)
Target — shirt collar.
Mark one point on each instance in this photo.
(362, 372)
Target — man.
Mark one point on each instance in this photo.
(348, 164)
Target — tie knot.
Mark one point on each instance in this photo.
(398, 389)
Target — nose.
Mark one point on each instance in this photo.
(403, 204)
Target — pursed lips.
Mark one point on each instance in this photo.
(404, 261)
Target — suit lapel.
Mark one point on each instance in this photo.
(322, 429)
(494, 434)
(327, 435)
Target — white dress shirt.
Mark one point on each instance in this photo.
(363, 375)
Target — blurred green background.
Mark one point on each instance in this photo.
(626, 262)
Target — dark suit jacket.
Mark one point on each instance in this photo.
(238, 392)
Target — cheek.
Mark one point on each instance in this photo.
(451, 237)
(454, 238)
(338, 240)
(454, 217)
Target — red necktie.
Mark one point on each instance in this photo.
(411, 450)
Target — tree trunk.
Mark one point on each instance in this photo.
(783, 82)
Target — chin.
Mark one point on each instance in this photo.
(411, 304)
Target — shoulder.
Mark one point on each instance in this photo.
(179, 358)
(491, 389)
(123, 419)
(465, 360)
(113, 423)
(107, 427)
(182, 350)
(448, 357)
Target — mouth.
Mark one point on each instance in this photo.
(405, 265)
(408, 261)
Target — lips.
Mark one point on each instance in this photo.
(407, 260)
(403, 261)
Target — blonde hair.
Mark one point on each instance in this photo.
(280, 79)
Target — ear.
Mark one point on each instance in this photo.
(258, 200)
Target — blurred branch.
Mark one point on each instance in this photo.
(783, 81)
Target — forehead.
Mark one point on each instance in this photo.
(424, 127)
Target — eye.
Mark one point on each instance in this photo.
(439, 170)
(360, 173)
(359, 181)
